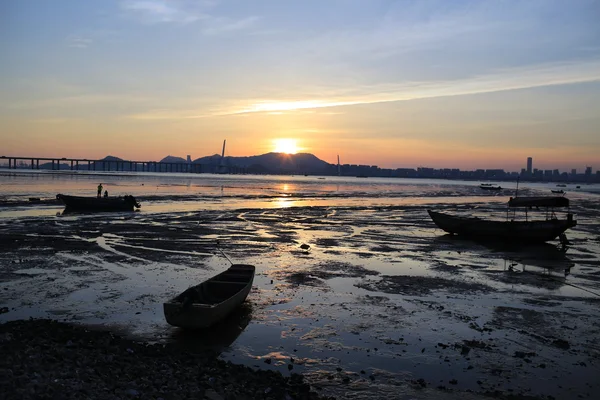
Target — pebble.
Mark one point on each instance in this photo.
(110, 367)
(212, 395)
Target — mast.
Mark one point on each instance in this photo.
(221, 167)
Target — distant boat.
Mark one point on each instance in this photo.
(100, 204)
(203, 305)
(490, 186)
(559, 191)
(525, 231)
(561, 185)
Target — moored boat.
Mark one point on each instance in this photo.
(511, 230)
(203, 305)
(80, 203)
(490, 186)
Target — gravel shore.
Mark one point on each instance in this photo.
(44, 359)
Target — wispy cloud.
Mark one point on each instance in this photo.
(168, 114)
(78, 42)
(76, 101)
(502, 80)
(85, 38)
(185, 12)
(217, 26)
(157, 11)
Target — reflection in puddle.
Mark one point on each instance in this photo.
(218, 337)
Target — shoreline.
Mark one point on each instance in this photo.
(49, 359)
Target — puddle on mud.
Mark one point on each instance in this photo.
(380, 304)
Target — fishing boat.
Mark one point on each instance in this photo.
(203, 305)
(511, 229)
(490, 186)
(80, 203)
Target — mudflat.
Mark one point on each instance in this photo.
(380, 304)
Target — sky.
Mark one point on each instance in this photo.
(398, 84)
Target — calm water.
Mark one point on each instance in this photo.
(189, 192)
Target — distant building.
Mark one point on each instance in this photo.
(588, 171)
(574, 171)
(529, 165)
(494, 173)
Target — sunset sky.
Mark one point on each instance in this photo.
(437, 83)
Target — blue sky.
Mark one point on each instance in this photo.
(468, 84)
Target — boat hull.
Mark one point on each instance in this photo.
(492, 188)
(507, 231)
(99, 204)
(204, 305)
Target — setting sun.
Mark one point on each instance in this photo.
(288, 146)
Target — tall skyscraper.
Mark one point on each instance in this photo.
(529, 165)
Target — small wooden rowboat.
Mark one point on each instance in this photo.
(203, 305)
(100, 204)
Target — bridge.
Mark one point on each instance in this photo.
(84, 164)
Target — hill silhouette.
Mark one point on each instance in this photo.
(271, 163)
(173, 159)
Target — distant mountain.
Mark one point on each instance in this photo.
(272, 163)
(111, 158)
(173, 159)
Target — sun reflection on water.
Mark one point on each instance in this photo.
(284, 202)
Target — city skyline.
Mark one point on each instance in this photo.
(465, 84)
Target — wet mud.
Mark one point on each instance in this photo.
(377, 304)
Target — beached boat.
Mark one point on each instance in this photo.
(203, 305)
(80, 203)
(511, 230)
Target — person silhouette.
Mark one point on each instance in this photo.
(99, 190)
(106, 193)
